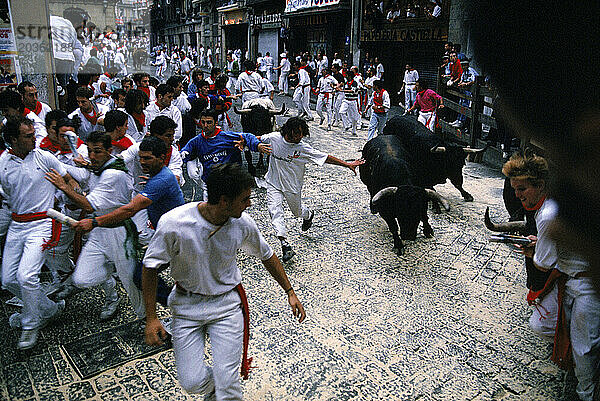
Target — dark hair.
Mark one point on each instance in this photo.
(114, 119)
(23, 85)
(294, 124)
(84, 91)
(67, 122)
(195, 73)
(137, 77)
(118, 92)
(249, 65)
(175, 80)
(423, 83)
(209, 113)
(54, 115)
(126, 80)
(154, 145)
(133, 98)
(215, 71)
(161, 124)
(100, 137)
(163, 89)
(12, 128)
(221, 81)
(198, 106)
(93, 52)
(12, 99)
(202, 83)
(154, 81)
(228, 180)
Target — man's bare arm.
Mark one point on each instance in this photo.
(276, 270)
(155, 333)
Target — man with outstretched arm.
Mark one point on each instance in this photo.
(200, 240)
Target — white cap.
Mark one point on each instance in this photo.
(282, 55)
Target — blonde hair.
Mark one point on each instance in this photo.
(526, 165)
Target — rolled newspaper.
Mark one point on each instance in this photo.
(72, 141)
(58, 216)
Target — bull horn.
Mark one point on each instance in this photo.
(384, 192)
(277, 112)
(431, 194)
(471, 150)
(437, 149)
(242, 111)
(510, 226)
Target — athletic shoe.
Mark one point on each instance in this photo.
(287, 253)
(29, 337)
(15, 320)
(307, 223)
(15, 301)
(109, 309)
(322, 121)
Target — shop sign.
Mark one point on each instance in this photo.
(234, 18)
(431, 34)
(296, 5)
(266, 20)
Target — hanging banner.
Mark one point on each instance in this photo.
(9, 70)
(296, 5)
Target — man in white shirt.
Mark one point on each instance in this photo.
(268, 90)
(379, 69)
(161, 64)
(90, 114)
(285, 177)
(325, 91)
(103, 87)
(186, 65)
(29, 93)
(232, 69)
(200, 241)
(110, 188)
(30, 233)
(380, 103)
(337, 60)
(285, 68)
(142, 82)
(302, 92)
(269, 63)
(411, 76)
(163, 107)
(180, 100)
(201, 56)
(121, 62)
(261, 63)
(11, 105)
(249, 83)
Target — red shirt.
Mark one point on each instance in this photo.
(427, 100)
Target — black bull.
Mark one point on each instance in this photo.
(431, 160)
(387, 175)
(257, 120)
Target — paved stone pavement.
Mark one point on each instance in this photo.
(446, 321)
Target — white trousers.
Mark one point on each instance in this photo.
(427, 119)
(231, 84)
(220, 317)
(5, 220)
(410, 95)
(302, 99)
(376, 124)
(107, 245)
(283, 81)
(21, 265)
(322, 101)
(581, 305)
(249, 96)
(275, 199)
(349, 114)
(337, 105)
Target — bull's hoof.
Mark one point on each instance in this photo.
(468, 198)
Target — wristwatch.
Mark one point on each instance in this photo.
(94, 222)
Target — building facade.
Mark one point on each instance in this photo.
(101, 12)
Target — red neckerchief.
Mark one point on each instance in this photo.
(26, 111)
(122, 143)
(140, 120)
(38, 108)
(301, 68)
(537, 205)
(217, 130)
(93, 119)
(168, 158)
(146, 90)
(249, 72)
(47, 144)
(159, 108)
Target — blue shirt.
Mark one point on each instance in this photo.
(217, 149)
(164, 192)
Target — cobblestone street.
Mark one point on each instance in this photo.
(446, 321)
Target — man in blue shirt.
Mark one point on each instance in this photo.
(160, 194)
(214, 146)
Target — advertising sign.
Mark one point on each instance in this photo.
(296, 5)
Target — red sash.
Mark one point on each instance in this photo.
(47, 144)
(56, 226)
(26, 111)
(245, 370)
(122, 143)
(93, 119)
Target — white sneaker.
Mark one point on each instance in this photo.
(28, 339)
(15, 320)
(109, 309)
(15, 301)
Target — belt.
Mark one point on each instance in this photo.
(249, 91)
(583, 275)
(304, 86)
(183, 291)
(27, 217)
